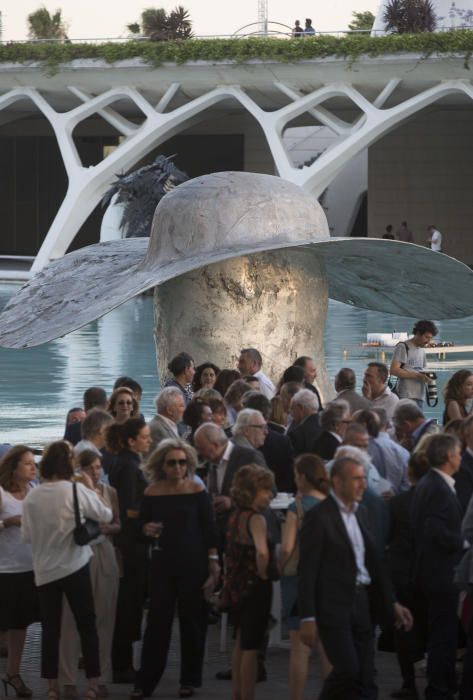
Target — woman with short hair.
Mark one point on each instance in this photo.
(247, 587)
(61, 566)
(205, 376)
(20, 607)
(197, 412)
(183, 370)
(178, 514)
(123, 405)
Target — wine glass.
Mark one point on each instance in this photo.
(159, 527)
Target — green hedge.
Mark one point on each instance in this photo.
(349, 47)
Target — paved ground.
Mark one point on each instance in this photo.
(275, 688)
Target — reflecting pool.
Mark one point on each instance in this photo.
(40, 384)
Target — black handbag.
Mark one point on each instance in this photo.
(84, 532)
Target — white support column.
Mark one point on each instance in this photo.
(87, 185)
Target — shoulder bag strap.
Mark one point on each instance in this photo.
(76, 505)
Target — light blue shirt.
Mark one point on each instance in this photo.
(394, 461)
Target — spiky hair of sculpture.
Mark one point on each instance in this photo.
(141, 191)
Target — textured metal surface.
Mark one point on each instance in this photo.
(224, 216)
(276, 302)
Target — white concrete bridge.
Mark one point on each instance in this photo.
(409, 111)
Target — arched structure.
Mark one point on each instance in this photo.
(378, 94)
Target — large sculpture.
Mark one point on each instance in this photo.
(238, 259)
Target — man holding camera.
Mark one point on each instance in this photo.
(409, 361)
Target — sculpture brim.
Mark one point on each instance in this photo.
(382, 275)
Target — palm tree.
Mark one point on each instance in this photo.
(410, 16)
(43, 25)
(158, 25)
(362, 21)
(179, 23)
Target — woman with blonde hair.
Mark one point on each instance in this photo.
(122, 405)
(177, 515)
(312, 488)
(247, 589)
(20, 606)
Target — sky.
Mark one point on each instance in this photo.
(88, 19)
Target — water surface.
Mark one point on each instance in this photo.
(39, 385)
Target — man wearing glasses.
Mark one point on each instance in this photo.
(250, 430)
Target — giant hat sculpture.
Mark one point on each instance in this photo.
(238, 259)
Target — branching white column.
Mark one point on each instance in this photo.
(87, 185)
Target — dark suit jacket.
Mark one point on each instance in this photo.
(304, 434)
(238, 458)
(325, 445)
(126, 476)
(73, 433)
(436, 519)
(464, 481)
(314, 390)
(279, 456)
(327, 568)
(400, 539)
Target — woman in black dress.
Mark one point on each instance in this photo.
(177, 513)
(128, 440)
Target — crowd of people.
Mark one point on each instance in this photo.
(176, 515)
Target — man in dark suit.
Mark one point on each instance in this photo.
(276, 448)
(438, 545)
(305, 427)
(464, 476)
(333, 421)
(310, 374)
(225, 459)
(341, 581)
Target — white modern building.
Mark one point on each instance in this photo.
(64, 138)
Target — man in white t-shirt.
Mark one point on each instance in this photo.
(409, 361)
(435, 239)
